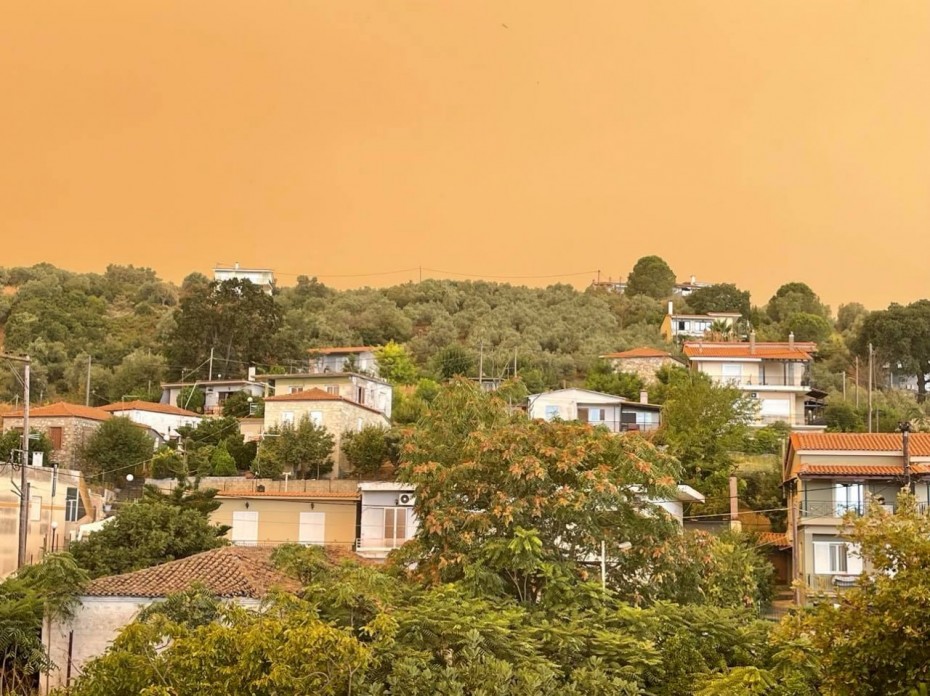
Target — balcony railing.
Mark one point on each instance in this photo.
(624, 427)
(838, 510)
(764, 380)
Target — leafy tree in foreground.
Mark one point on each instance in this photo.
(118, 447)
(305, 449)
(721, 297)
(651, 276)
(240, 405)
(144, 534)
(603, 378)
(519, 506)
(369, 448)
(222, 462)
(39, 442)
(395, 364)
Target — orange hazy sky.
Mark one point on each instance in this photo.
(749, 141)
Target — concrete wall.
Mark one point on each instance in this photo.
(242, 483)
(279, 518)
(74, 433)
(165, 424)
(358, 388)
(49, 526)
(336, 416)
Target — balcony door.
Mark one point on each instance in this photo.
(312, 528)
(849, 497)
(395, 527)
(245, 528)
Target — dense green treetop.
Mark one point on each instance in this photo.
(651, 276)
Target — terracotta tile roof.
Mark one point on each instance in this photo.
(333, 495)
(877, 470)
(769, 351)
(638, 353)
(329, 350)
(863, 442)
(317, 394)
(230, 571)
(151, 407)
(779, 539)
(62, 409)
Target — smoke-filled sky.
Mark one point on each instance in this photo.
(748, 141)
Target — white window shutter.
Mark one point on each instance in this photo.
(821, 557)
(853, 559)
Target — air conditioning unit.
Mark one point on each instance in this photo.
(405, 499)
(754, 395)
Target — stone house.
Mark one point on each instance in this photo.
(344, 359)
(642, 362)
(68, 426)
(335, 413)
(108, 604)
(361, 388)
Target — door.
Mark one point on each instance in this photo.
(395, 527)
(312, 528)
(245, 528)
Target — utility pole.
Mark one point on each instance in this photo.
(23, 482)
(857, 381)
(515, 369)
(87, 392)
(210, 376)
(481, 364)
(870, 387)
(844, 385)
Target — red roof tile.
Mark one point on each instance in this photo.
(779, 539)
(61, 409)
(768, 351)
(864, 442)
(230, 571)
(335, 495)
(638, 353)
(864, 470)
(151, 407)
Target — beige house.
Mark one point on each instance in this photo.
(108, 604)
(68, 426)
(260, 518)
(642, 362)
(361, 389)
(344, 359)
(828, 475)
(335, 413)
(775, 375)
(59, 502)
(686, 326)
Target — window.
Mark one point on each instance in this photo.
(74, 506)
(360, 395)
(836, 558)
(849, 496)
(332, 389)
(591, 415)
(245, 528)
(395, 527)
(681, 326)
(287, 418)
(35, 508)
(552, 412)
(54, 435)
(293, 390)
(316, 417)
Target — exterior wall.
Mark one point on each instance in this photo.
(336, 416)
(368, 392)
(372, 542)
(778, 389)
(336, 362)
(74, 433)
(214, 394)
(50, 524)
(564, 404)
(263, 278)
(165, 424)
(279, 518)
(241, 484)
(644, 368)
(96, 625)
(252, 429)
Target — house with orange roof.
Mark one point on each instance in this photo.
(678, 326)
(236, 575)
(344, 359)
(68, 426)
(830, 475)
(334, 412)
(164, 419)
(643, 362)
(364, 389)
(775, 375)
(273, 517)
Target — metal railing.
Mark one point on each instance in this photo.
(764, 380)
(838, 510)
(615, 426)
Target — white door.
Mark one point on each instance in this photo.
(395, 527)
(245, 528)
(312, 528)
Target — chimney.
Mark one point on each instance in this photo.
(237, 265)
(643, 396)
(693, 280)
(791, 340)
(251, 377)
(752, 342)
(671, 308)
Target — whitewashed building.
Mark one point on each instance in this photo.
(387, 517)
(614, 412)
(164, 419)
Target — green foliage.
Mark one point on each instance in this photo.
(191, 608)
(144, 534)
(453, 361)
(210, 433)
(794, 298)
(900, 335)
(703, 423)
(842, 417)
(808, 327)
(167, 463)
(38, 442)
(138, 376)
(369, 448)
(721, 297)
(191, 398)
(222, 462)
(117, 447)
(515, 505)
(305, 449)
(240, 405)
(395, 364)
(651, 276)
(603, 378)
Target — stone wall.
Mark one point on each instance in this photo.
(644, 368)
(74, 433)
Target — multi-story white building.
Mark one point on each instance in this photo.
(262, 277)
